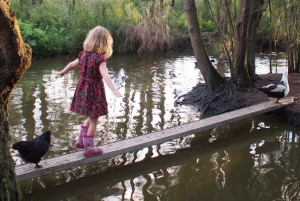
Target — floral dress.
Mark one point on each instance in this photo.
(89, 98)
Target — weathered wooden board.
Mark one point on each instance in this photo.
(92, 183)
(67, 161)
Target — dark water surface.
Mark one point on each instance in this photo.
(253, 159)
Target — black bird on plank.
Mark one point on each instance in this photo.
(278, 90)
(33, 150)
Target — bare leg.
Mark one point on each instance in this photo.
(86, 123)
(92, 121)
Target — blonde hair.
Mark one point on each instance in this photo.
(99, 40)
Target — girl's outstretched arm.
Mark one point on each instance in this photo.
(68, 68)
(104, 73)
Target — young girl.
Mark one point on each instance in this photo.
(89, 98)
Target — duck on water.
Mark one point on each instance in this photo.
(278, 90)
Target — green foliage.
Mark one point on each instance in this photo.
(55, 27)
(138, 2)
(263, 31)
(203, 10)
(208, 26)
(45, 41)
(36, 38)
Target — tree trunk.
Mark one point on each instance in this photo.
(297, 62)
(270, 37)
(241, 78)
(255, 16)
(222, 35)
(15, 59)
(73, 5)
(275, 49)
(172, 3)
(288, 37)
(222, 17)
(290, 60)
(212, 78)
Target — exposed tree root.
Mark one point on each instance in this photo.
(225, 99)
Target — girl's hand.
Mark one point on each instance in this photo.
(116, 93)
(58, 73)
(71, 66)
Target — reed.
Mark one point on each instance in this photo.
(151, 33)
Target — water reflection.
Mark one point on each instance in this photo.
(245, 160)
(262, 64)
(238, 165)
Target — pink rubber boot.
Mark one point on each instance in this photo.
(79, 142)
(89, 146)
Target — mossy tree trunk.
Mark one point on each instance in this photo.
(15, 59)
(255, 17)
(241, 78)
(250, 13)
(212, 78)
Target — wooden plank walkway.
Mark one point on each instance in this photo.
(59, 163)
(115, 175)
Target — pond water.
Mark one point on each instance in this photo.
(253, 159)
